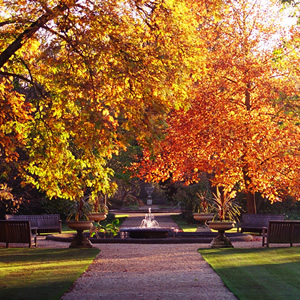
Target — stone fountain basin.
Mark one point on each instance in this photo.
(147, 232)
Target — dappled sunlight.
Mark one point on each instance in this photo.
(253, 257)
(258, 273)
(46, 273)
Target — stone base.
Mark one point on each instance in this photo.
(221, 241)
(80, 241)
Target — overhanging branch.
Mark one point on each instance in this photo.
(30, 31)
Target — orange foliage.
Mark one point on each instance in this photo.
(235, 128)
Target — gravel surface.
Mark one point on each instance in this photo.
(135, 271)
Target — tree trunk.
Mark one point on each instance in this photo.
(250, 196)
(251, 204)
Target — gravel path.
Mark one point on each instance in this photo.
(135, 271)
(150, 271)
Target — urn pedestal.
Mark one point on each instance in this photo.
(80, 240)
(221, 240)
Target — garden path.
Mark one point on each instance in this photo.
(152, 272)
(149, 271)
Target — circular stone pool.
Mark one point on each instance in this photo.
(147, 233)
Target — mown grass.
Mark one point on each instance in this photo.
(183, 224)
(29, 274)
(261, 273)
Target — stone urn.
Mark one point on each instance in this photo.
(221, 240)
(97, 217)
(203, 217)
(80, 240)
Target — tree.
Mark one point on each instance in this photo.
(78, 78)
(235, 129)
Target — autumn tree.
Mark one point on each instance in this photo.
(78, 78)
(235, 128)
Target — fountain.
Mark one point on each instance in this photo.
(149, 221)
(149, 228)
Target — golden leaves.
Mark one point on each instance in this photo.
(14, 116)
(104, 73)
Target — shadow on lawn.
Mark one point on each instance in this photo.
(32, 255)
(46, 291)
(272, 273)
(41, 273)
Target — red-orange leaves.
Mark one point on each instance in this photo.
(233, 128)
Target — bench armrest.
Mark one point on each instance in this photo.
(264, 235)
(34, 234)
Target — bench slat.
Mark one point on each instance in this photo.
(282, 232)
(16, 232)
(256, 222)
(44, 223)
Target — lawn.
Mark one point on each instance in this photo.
(183, 224)
(41, 273)
(264, 273)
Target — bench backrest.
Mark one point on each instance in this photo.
(284, 231)
(37, 220)
(296, 232)
(279, 232)
(260, 219)
(2, 232)
(15, 232)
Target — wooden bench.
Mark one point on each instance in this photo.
(282, 232)
(43, 223)
(17, 232)
(256, 222)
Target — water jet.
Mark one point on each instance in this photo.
(148, 229)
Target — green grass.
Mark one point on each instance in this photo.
(183, 224)
(41, 273)
(119, 216)
(264, 273)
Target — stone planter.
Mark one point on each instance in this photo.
(97, 217)
(203, 217)
(221, 240)
(80, 241)
(223, 226)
